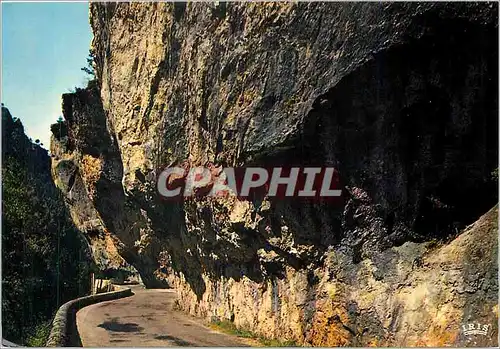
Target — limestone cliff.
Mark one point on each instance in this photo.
(70, 170)
(401, 98)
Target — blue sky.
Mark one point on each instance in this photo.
(44, 45)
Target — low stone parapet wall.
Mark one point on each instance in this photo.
(64, 332)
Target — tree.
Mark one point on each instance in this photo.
(45, 259)
(89, 69)
(59, 129)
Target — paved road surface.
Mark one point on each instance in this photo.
(145, 319)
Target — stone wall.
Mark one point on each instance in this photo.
(64, 332)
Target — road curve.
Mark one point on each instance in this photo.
(145, 319)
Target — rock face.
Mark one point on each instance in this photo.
(71, 170)
(400, 98)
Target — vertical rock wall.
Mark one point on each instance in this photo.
(401, 98)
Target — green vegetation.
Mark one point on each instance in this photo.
(276, 343)
(59, 129)
(89, 68)
(45, 260)
(494, 174)
(230, 328)
(39, 334)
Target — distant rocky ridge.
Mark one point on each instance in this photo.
(401, 98)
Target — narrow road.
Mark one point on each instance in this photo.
(145, 319)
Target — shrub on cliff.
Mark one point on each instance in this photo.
(59, 129)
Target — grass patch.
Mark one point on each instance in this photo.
(39, 334)
(230, 328)
(277, 343)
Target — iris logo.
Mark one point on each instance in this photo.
(475, 329)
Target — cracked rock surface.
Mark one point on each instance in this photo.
(402, 99)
